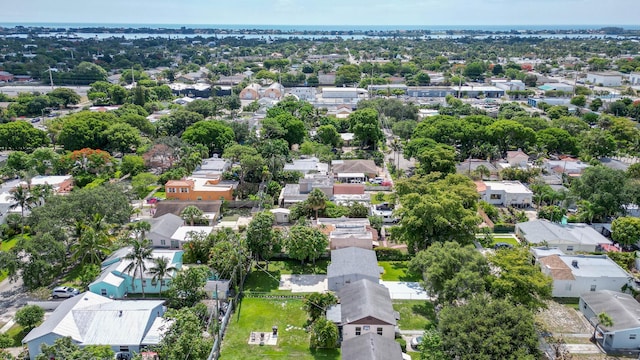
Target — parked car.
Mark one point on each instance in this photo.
(502, 245)
(64, 292)
(355, 181)
(416, 341)
(35, 120)
(376, 180)
(386, 183)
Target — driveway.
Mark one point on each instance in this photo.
(404, 290)
(303, 283)
(12, 297)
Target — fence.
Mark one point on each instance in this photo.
(215, 350)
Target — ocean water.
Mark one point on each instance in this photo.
(290, 28)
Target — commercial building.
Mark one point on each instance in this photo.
(605, 78)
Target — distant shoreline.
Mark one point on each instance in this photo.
(322, 30)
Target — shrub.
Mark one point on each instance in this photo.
(389, 254)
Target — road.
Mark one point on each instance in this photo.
(12, 297)
(14, 90)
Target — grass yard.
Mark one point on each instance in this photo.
(17, 333)
(397, 271)
(505, 239)
(414, 314)
(387, 198)
(261, 280)
(160, 194)
(260, 315)
(9, 244)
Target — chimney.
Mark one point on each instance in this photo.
(120, 313)
(574, 263)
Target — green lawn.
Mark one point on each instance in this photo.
(160, 194)
(573, 303)
(397, 271)
(17, 333)
(261, 315)
(9, 244)
(505, 239)
(388, 197)
(261, 280)
(414, 314)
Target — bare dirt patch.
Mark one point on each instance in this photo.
(559, 319)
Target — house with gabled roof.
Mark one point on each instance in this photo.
(623, 309)
(351, 264)
(371, 347)
(90, 319)
(365, 307)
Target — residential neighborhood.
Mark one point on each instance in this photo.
(223, 193)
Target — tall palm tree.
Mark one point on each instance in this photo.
(160, 270)
(91, 246)
(139, 253)
(139, 229)
(317, 200)
(21, 196)
(42, 192)
(483, 171)
(191, 214)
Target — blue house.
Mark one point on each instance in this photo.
(116, 281)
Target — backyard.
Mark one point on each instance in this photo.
(261, 280)
(397, 271)
(260, 315)
(414, 314)
(6, 246)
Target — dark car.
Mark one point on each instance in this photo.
(502, 245)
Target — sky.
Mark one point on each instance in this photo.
(327, 12)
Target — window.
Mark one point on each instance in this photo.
(593, 287)
(144, 282)
(171, 190)
(163, 242)
(379, 331)
(496, 196)
(570, 248)
(567, 287)
(103, 292)
(366, 328)
(124, 349)
(632, 336)
(184, 190)
(358, 331)
(163, 283)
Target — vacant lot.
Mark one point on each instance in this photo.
(263, 279)
(260, 315)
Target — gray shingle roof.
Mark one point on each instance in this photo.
(371, 347)
(353, 260)
(623, 309)
(364, 298)
(164, 226)
(539, 231)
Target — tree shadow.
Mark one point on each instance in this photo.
(297, 268)
(408, 276)
(262, 281)
(425, 309)
(325, 354)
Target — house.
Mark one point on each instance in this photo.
(326, 78)
(347, 138)
(567, 165)
(191, 90)
(634, 79)
(184, 234)
(365, 307)
(569, 238)
(210, 209)
(517, 158)
(197, 189)
(343, 93)
(116, 281)
(251, 92)
(366, 167)
(61, 184)
(162, 228)
(303, 93)
(556, 87)
(470, 166)
(281, 215)
(535, 102)
(370, 347)
(623, 309)
(542, 252)
(360, 237)
(295, 193)
(429, 91)
(478, 91)
(388, 88)
(212, 167)
(350, 199)
(508, 85)
(274, 91)
(506, 193)
(574, 275)
(6, 76)
(351, 264)
(610, 78)
(311, 165)
(90, 319)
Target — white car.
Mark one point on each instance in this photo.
(64, 292)
(415, 342)
(376, 180)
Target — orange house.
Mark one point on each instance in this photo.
(194, 189)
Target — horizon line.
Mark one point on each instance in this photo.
(283, 24)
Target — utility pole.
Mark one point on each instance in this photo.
(133, 78)
(50, 78)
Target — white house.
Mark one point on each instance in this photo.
(343, 93)
(506, 193)
(508, 85)
(605, 78)
(623, 309)
(574, 275)
(303, 93)
(569, 238)
(90, 319)
(517, 158)
(184, 233)
(634, 79)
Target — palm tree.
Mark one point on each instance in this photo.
(483, 171)
(603, 319)
(91, 246)
(191, 214)
(139, 229)
(139, 253)
(161, 269)
(42, 193)
(396, 146)
(317, 200)
(21, 196)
